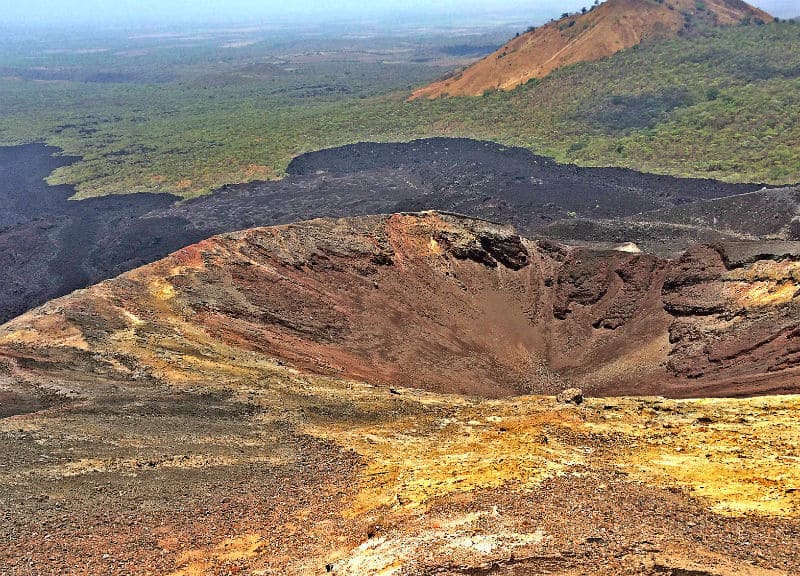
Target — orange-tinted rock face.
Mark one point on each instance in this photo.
(609, 28)
(438, 302)
(430, 302)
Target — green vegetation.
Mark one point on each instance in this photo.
(185, 137)
(724, 104)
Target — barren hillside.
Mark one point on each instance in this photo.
(608, 28)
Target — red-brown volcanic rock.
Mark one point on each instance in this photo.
(444, 303)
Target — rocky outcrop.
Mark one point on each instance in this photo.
(737, 321)
(489, 247)
(570, 396)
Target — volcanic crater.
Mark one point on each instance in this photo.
(372, 395)
(375, 394)
(452, 305)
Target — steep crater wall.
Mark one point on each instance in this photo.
(434, 301)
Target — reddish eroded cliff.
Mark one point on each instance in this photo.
(435, 301)
(734, 321)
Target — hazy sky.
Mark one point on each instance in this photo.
(165, 11)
